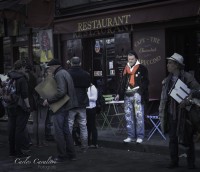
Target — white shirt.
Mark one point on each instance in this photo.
(92, 95)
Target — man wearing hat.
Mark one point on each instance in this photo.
(63, 137)
(173, 116)
(134, 90)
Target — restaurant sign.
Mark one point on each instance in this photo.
(103, 23)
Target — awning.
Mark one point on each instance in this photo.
(135, 15)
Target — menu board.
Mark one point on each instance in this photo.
(121, 61)
(122, 46)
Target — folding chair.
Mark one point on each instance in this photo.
(118, 117)
(113, 116)
(156, 125)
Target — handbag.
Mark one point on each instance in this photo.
(47, 89)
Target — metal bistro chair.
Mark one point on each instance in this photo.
(104, 112)
(118, 117)
(109, 117)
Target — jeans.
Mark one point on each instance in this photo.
(17, 121)
(62, 135)
(134, 114)
(80, 115)
(39, 122)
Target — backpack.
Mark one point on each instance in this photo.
(9, 97)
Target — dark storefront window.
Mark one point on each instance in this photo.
(22, 47)
(104, 63)
(36, 48)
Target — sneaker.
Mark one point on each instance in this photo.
(59, 160)
(139, 140)
(128, 140)
(93, 146)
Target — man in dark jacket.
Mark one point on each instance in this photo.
(134, 88)
(81, 80)
(18, 115)
(175, 117)
(63, 137)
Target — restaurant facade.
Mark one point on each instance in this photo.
(102, 32)
(155, 30)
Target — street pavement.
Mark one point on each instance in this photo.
(111, 156)
(156, 144)
(94, 160)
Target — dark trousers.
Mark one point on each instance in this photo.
(91, 126)
(173, 144)
(62, 135)
(17, 121)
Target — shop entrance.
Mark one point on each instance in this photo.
(104, 71)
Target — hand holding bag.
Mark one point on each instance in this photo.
(47, 89)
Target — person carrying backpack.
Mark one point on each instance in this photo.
(16, 89)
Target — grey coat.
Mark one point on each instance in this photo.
(65, 86)
(189, 80)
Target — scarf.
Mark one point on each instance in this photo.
(131, 72)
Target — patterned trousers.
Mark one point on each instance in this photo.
(134, 114)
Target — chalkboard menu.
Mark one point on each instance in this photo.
(122, 46)
(121, 63)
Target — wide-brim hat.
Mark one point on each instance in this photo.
(178, 58)
(53, 62)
